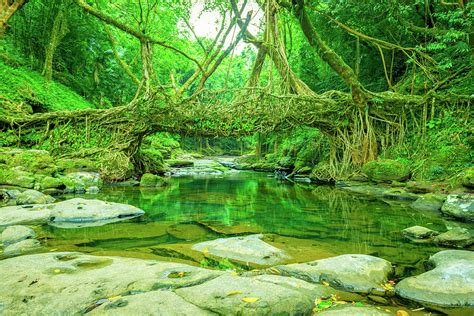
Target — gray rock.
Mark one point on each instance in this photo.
(79, 182)
(429, 202)
(69, 214)
(159, 302)
(21, 247)
(449, 284)
(460, 206)
(33, 197)
(419, 232)
(16, 233)
(72, 283)
(263, 295)
(352, 273)
(251, 249)
(456, 237)
(350, 310)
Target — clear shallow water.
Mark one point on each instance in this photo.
(309, 222)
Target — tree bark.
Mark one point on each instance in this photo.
(7, 10)
(330, 56)
(58, 32)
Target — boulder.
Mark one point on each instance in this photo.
(16, 233)
(419, 232)
(151, 180)
(16, 177)
(450, 284)
(352, 272)
(455, 238)
(248, 249)
(386, 170)
(51, 183)
(89, 179)
(420, 187)
(261, 295)
(21, 247)
(33, 197)
(74, 283)
(69, 214)
(32, 161)
(177, 163)
(93, 190)
(468, 178)
(460, 206)
(429, 202)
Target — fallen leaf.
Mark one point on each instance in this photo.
(325, 283)
(234, 293)
(275, 270)
(205, 251)
(114, 298)
(250, 299)
(233, 273)
(401, 312)
(57, 271)
(54, 249)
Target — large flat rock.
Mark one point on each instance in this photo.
(250, 249)
(69, 214)
(450, 284)
(353, 272)
(71, 283)
(261, 295)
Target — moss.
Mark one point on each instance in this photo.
(18, 178)
(386, 170)
(468, 178)
(151, 161)
(23, 86)
(34, 161)
(151, 180)
(77, 164)
(51, 183)
(177, 163)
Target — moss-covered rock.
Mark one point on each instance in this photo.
(16, 177)
(151, 180)
(178, 163)
(386, 170)
(151, 161)
(34, 161)
(77, 164)
(468, 178)
(116, 167)
(51, 183)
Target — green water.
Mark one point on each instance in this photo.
(310, 222)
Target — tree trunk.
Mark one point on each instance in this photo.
(58, 32)
(7, 10)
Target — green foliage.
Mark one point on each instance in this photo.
(31, 93)
(223, 264)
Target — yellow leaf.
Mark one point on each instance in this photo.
(114, 298)
(325, 283)
(234, 293)
(250, 299)
(205, 251)
(233, 273)
(401, 312)
(341, 302)
(275, 270)
(387, 310)
(54, 249)
(57, 271)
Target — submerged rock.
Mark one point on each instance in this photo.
(33, 197)
(352, 273)
(21, 247)
(69, 214)
(429, 202)
(251, 249)
(350, 310)
(419, 232)
(450, 284)
(460, 206)
(16, 233)
(455, 238)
